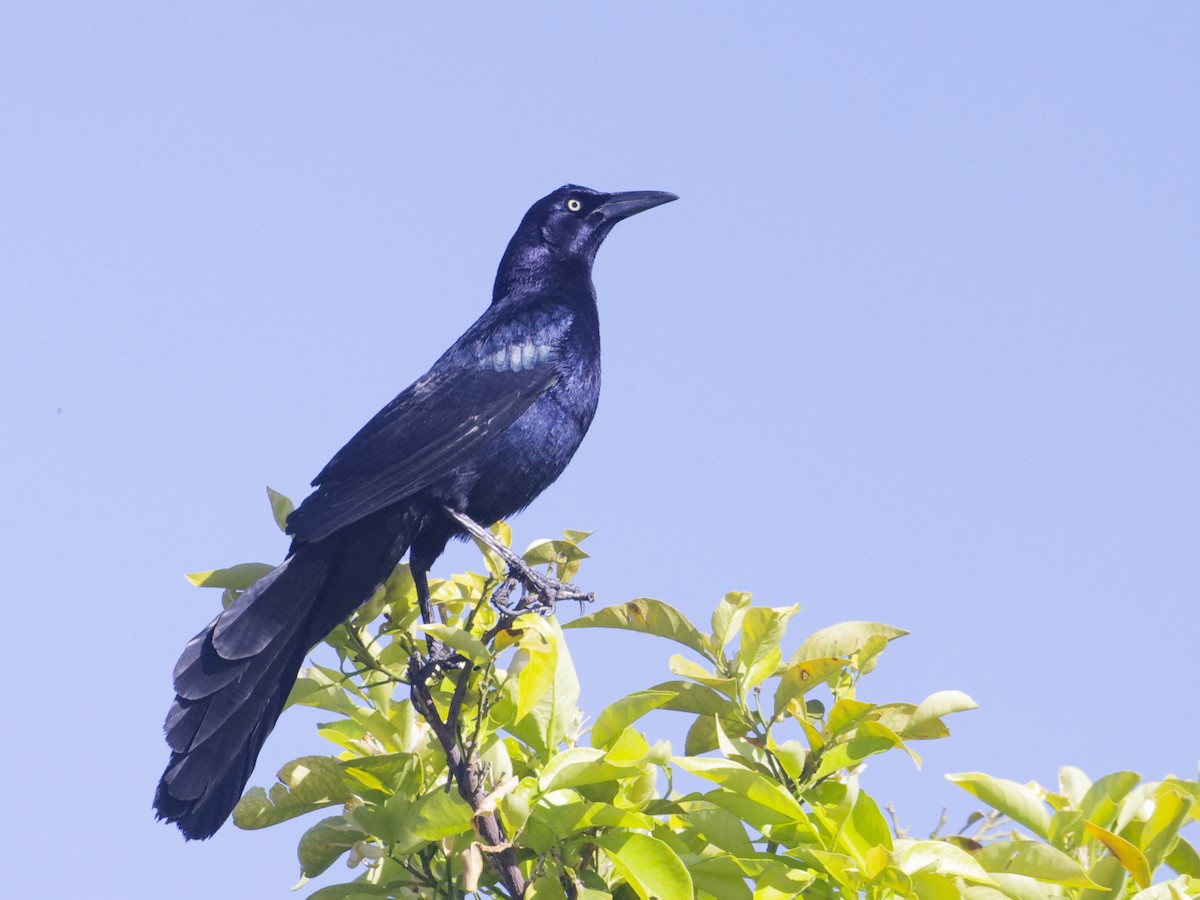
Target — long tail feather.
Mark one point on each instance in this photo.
(234, 677)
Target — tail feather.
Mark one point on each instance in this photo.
(233, 678)
(260, 614)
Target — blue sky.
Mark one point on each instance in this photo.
(918, 344)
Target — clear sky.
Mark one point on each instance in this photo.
(918, 344)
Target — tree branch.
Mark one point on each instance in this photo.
(467, 778)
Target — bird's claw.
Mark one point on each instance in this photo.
(541, 593)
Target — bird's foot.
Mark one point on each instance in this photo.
(541, 592)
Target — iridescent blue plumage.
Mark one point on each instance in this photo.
(490, 426)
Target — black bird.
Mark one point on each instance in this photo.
(480, 435)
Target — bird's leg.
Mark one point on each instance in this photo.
(546, 591)
(437, 652)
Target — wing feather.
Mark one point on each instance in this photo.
(471, 396)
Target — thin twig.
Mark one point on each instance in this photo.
(460, 768)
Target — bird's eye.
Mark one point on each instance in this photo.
(574, 205)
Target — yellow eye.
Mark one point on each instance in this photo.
(574, 205)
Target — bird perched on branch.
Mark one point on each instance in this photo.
(475, 439)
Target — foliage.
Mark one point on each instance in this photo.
(773, 806)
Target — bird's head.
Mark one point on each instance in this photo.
(566, 227)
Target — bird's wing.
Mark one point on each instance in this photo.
(471, 395)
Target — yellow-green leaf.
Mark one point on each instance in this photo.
(649, 865)
(649, 616)
(305, 784)
(236, 578)
(801, 677)
(1016, 801)
(281, 508)
(843, 639)
(1129, 856)
(738, 778)
(1034, 860)
(616, 716)
(727, 617)
(762, 629)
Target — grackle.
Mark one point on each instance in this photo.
(475, 439)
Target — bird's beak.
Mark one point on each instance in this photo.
(630, 203)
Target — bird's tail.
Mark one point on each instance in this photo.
(233, 678)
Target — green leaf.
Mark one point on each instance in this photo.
(751, 785)
(801, 677)
(868, 739)
(1016, 801)
(1184, 859)
(307, 783)
(1073, 784)
(762, 670)
(564, 555)
(1034, 860)
(719, 828)
(546, 886)
(548, 720)
(236, 578)
(281, 508)
(727, 617)
(578, 766)
(322, 844)
(719, 876)
(441, 814)
(681, 665)
(762, 630)
(1177, 889)
(701, 737)
(846, 714)
(535, 664)
(842, 868)
(843, 640)
(391, 773)
(616, 716)
(1129, 856)
(563, 819)
(1066, 828)
(940, 704)
(545, 551)
(941, 857)
(1108, 872)
(1158, 835)
(791, 755)
(1136, 806)
(931, 886)
(738, 748)
(694, 698)
(649, 865)
(1022, 887)
(316, 687)
(865, 657)
(502, 532)
(1102, 800)
(359, 890)
(647, 616)
(866, 825)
